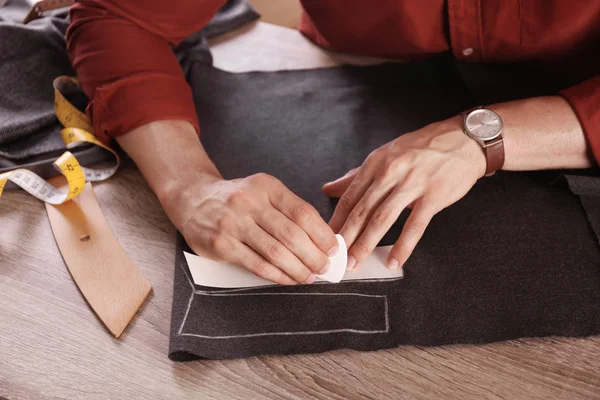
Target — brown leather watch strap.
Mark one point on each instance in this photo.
(494, 153)
(39, 8)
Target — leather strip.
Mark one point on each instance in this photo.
(494, 153)
(39, 8)
(106, 276)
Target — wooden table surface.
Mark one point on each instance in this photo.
(52, 346)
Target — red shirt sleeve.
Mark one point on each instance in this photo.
(585, 100)
(122, 53)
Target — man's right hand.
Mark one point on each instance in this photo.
(255, 222)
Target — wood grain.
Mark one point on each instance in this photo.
(53, 346)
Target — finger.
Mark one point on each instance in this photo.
(276, 253)
(379, 223)
(228, 248)
(351, 196)
(361, 213)
(255, 263)
(305, 216)
(337, 187)
(294, 239)
(413, 230)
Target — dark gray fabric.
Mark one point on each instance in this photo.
(195, 48)
(495, 83)
(515, 258)
(588, 190)
(33, 55)
(233, 14)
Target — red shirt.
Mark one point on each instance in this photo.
(122, 53)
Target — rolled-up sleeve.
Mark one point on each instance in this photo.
(585, 100)
(122, 53)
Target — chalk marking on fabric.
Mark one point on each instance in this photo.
(290, 333)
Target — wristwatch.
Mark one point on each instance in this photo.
(485, 127)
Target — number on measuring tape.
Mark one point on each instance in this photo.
(78, 130)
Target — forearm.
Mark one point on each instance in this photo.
(542, 133)
(170, 157)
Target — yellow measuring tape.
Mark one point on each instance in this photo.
(78, 130)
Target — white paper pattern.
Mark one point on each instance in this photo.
(266, 47)
(216, 274)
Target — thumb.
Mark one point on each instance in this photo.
(338, 187)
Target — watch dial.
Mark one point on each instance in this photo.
(484, 124)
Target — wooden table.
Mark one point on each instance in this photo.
(52, 345)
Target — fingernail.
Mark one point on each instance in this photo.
(311, 278)
(392, 263)
(325, 268)
(333, 250)
(351, 263)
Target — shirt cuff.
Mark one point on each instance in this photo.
(122, 106)
(584, 98)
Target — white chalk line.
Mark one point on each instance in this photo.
(290, 333)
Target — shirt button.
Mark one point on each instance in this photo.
(468, 51)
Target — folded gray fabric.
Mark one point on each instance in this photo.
(33, 55)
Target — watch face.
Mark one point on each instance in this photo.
(484, 124)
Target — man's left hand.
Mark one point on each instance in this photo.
(426, 170)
